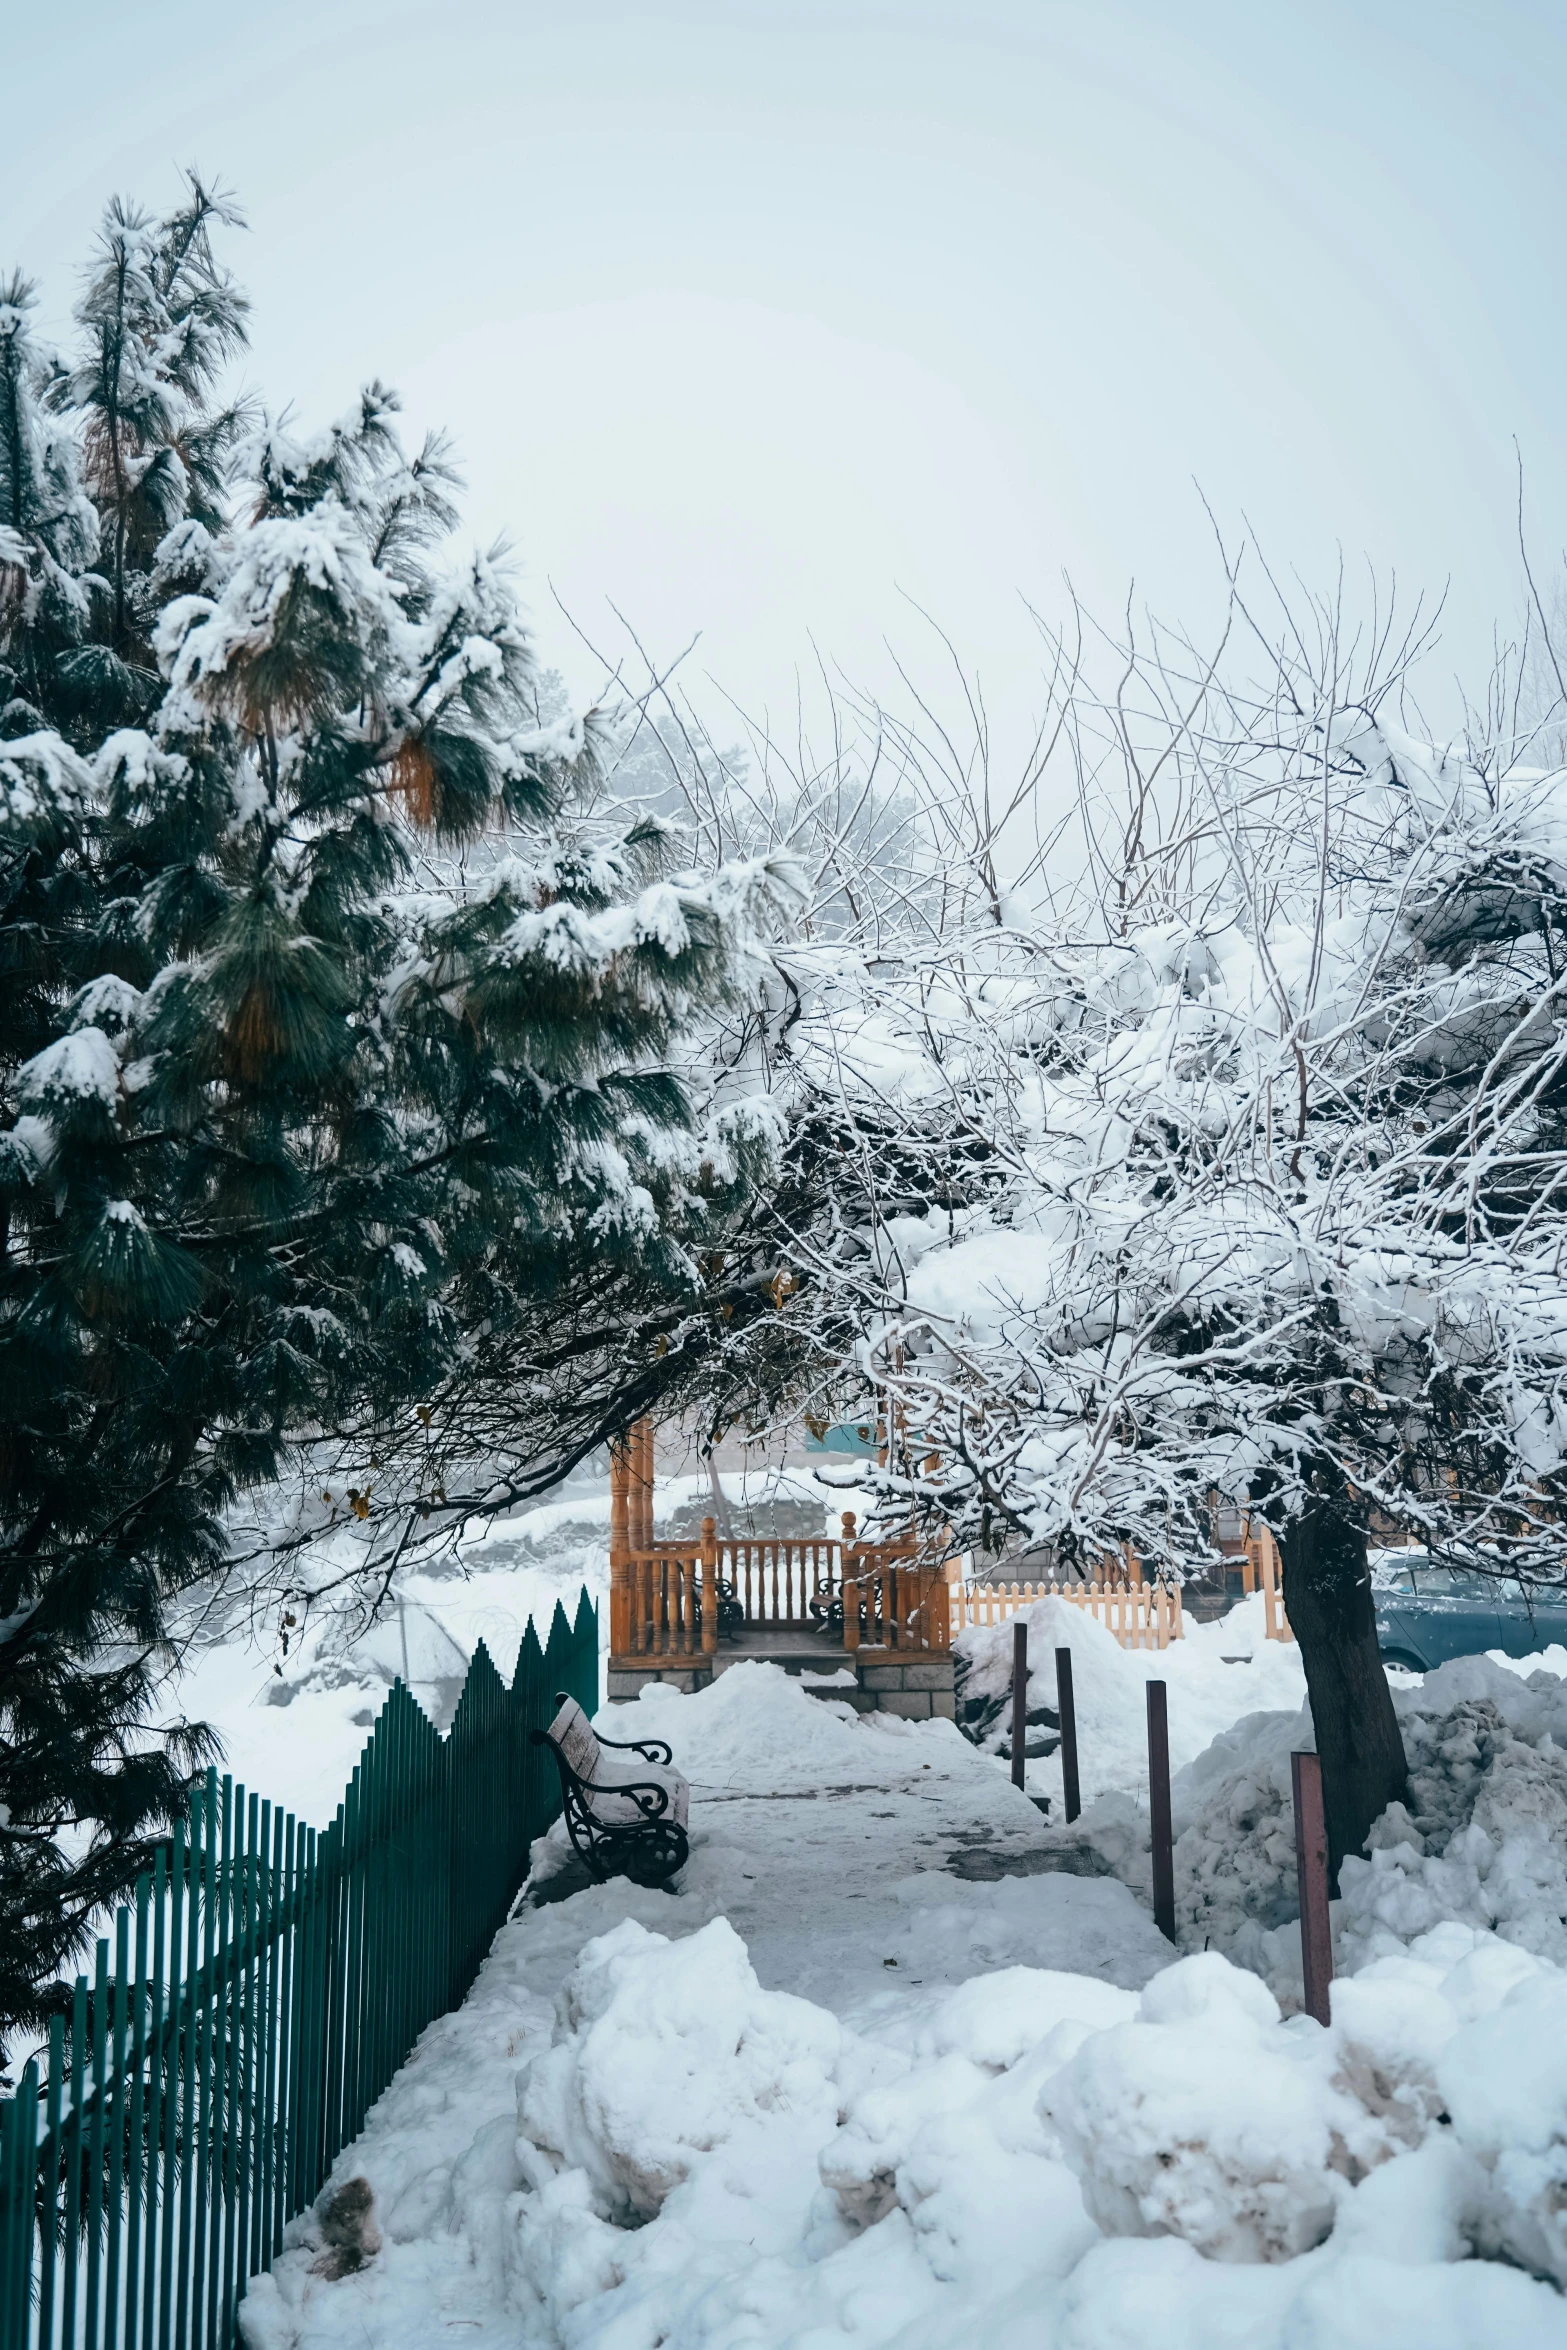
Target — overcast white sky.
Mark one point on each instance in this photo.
(755, 319)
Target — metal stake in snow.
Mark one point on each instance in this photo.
(1019, 1699)
(1311, 1865)
(1066, 1709)
(1159, 1811)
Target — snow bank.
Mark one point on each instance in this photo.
(1208, 2118)
(1200, 2119)
(664, 2048)
(681, 2089)
(1216, 1673)
(1481, 1840)
(1034, 2160)
(756, 1730)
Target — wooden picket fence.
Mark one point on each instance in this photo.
(1140, 1615)
(265, 1985)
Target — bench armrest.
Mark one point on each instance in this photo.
(653, 1750)
(650, 1797)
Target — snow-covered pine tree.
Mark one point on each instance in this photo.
(282, 1134)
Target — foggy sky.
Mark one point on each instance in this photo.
(758, 321)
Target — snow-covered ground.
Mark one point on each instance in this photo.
(832, 2091)
(887, 2069)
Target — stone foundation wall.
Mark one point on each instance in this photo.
(916, 1690)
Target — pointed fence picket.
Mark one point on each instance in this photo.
(265, 1985)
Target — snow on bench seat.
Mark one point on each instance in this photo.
(626, 1817)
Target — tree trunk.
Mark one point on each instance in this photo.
(1327, 1594)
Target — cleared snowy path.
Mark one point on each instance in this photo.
(970, 2129)
(825, 1838)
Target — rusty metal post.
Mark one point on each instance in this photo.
(1159, 1811)
(1311, 1867)
(1019, 1699)
(1066, 1708)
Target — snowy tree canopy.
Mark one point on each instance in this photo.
(1220, 1153)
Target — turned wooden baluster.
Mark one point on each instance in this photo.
(848, 1585)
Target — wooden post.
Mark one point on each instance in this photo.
(1311, 1868)
(849, 1591)
(1019, 1699)
(1066, 1708)
(1270, 1590)
(709, 1586)
(1159, 1811)
(1275, 1572)
(620, 1582)
(642, 1485)
(619, 1531)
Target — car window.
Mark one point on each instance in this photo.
(1511, 1593)
(1393, 1570)
(1451, 1583)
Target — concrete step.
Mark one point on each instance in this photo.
(795, 1656)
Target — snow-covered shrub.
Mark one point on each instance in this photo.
(662, 2049)
(982, 1660)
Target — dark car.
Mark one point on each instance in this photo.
(1427, 1613)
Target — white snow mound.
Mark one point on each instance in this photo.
(661, 2049)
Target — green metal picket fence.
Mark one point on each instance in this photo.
(264, 1987)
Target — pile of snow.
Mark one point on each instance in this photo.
(1033, 2159)
(1482, 1838)
(756, 1731)
(663, 2051)
(1218, 1672)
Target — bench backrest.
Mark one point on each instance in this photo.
(577, 1740)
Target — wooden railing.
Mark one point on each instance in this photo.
(664, 1603)
(1140, 1615)
(892, 1600)
(775, 1581)
(666, 1598)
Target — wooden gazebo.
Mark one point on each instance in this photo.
(817, 1604)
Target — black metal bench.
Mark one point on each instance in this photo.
(622, 1822)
